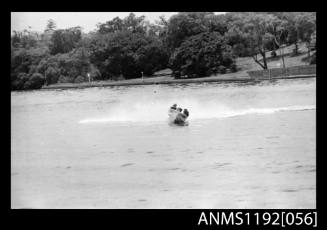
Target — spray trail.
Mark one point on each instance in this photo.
(150, 104)
(140, 113)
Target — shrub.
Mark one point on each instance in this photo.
(52, 75)
(22, 60)
(33, 69)
(36, 81)
(70, 65)
(80, 79)
(65, 79)
(25, 61)
(222, 69)
(19, 81)
(176, 74)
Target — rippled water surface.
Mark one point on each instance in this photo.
(246, 146)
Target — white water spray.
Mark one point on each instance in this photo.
(158, 112)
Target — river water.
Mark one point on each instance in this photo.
(246, 146)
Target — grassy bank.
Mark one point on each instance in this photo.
(244, 64)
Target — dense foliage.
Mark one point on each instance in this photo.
(202, 55)
(65, 68)
(24, 63)
(192, 44)
(63, 41)
(127, 54)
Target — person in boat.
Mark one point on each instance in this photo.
(172, 112)
(186, 112)
(181, 116)
(173, 108)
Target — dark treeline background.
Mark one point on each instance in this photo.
(192, 44)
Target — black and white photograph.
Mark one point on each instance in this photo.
(163, 110)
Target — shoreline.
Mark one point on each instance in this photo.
(154, 81)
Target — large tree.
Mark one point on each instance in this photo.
(24, 39)
(306, 26)
(51, 26)
(63, 41)
(131, 23)
(66, 67)
(24, 64)
(114, 25)
(299, 26)
(186, 24)
(257, 31)
(202, 55)
(127, 54)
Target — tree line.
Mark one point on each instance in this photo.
(192, 44)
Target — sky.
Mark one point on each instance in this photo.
(37, 21)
